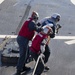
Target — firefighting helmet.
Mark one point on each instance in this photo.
(56, 16)
(35, 15)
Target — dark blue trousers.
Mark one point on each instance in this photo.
(23, 46)
(47, 53)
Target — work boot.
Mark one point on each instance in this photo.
(18, 72)
(46, 68)
(26, 69)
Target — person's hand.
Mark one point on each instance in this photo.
(42, 48)
(58, 26)
(38, 24)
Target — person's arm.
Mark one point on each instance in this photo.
(32, 26)
(53, 34)
(43, 44)
(58, 26)
(48, 40)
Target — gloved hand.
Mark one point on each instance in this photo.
(42, 55)
(42, 48)
(58, 26)
(38, 24)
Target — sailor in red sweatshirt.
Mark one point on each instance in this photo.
(38, 46)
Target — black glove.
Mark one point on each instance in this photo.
(40, 29)
(58, 26)
(38, 24)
